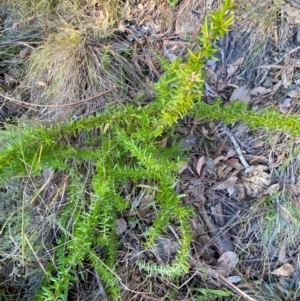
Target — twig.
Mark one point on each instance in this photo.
(101, 288)
(218, 276)
(236, 146)
(216, 232)
(288, 54)
(58, 105)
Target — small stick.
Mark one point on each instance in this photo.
(218, 276)
(58, 105)
(236, 146)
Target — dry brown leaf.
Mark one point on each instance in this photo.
(182, 130)
(212, 76)
(218, 159)
(272, 189)
(227, 183)
(221, 171)
(282, 259)
(252, 159)
(234, 163)
(42, 84)
(241, 93)
(201, 162)
(231, 153)
(183, 166)
(257, 168)
(205, 134)
(121, 226)
(230, 71)
(277, 86)
(209, 91)
(8, 79)
(286, 270)
(227, 263)
(221, 86)
(221, 147)
(285, 105)
(238, 62)
(259, 91)
(293, 94)
(24, 52)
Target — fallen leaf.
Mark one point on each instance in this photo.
(8, 79)
(286, 270)
(122, 26)
(200, 165)
(42, 84)
(182, 130)
(222, 171)
(252, 159)
(285, 105)
(209, 91)
(241, 93)
(212, 76)
(230, 190)
(226, 263)
(230, 71)
(258, 91)
(24, 52)
(221, 147)
(121, 226)
(277, 86)
(182, 167)
(282, 259)
(293, 94)
(257, 168)
(221, 86)
(238, 62)
(205, 134)
(234, 163)
(218, 159)
(231, 153)
(227, 183)
(272, 189)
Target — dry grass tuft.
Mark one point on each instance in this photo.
(78, 59)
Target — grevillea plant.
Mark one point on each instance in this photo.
(126, 148)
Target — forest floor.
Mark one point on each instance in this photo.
(243, 184)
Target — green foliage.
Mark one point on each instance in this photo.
(172, 3)
(206, 294)
(127, 148)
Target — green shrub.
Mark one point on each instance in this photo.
(127, 148)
